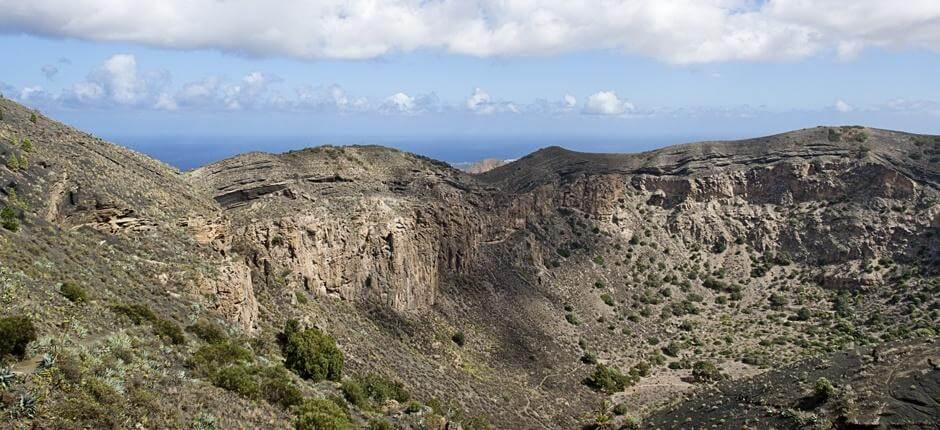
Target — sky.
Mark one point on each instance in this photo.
(470, 78)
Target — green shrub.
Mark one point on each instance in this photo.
(380, 424)
(381, 389)
(26, 145)
(459, 338)
(608, 379)
(354, 393)
(73, 292)
(278, 389)
(589, 358)
(208, 331)
(15, 333)
(705, 371)
(777, 300)
(823, 389)
(321, 414)
(32, 118)
(621, 409)
(239, 379)
(8, 219)
(572, 319)
(170, 330)
(138, 314)
(214, 356)
(672, 349)
(413, 407)
(607, 299)
(312, 353)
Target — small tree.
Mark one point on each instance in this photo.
(312, 353)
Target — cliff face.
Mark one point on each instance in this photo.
(809, 194)
(358, 223)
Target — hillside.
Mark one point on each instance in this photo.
(561, 290)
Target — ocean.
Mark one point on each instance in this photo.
(189, 152)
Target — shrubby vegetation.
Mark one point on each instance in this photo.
(139, 314)
(311, 353)
(73, 292)
(16, 332)
(321, 414)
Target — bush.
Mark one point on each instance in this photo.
(73, 292)
(354, 393)
(589, 358)
(214, 356)
(705, 371)
(672, 349)
(321, 414)
(138, 314)
(381, 389)
(278, 389)
(823, 389)
(621, 409)
(170, 330)
(239, 379)
(8, 219)
(459, 338)
(608, 379)
(208, 331)
(311, 353)
(607, 299)
(572, 319)
(15, 333)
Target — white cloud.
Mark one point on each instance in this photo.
(399, 102)
(480, 103)
(674, 31)
(607, 103)
(570, 101)
(332, 98)
(116, 82)
(842, 106)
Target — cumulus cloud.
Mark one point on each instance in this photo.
(331, 98)
(116, 82)
(674, 31)
(842, 106)
(607, 103)
(567, 104)
(480, 103)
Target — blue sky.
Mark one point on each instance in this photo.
(387, 72)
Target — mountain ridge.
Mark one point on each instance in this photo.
(550, 269)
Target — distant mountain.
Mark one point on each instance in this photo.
(481, 166)
(364, 286)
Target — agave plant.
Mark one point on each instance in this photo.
(25, 408)
(6, 377)
(48, 360)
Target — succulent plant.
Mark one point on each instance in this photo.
(6, 377)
